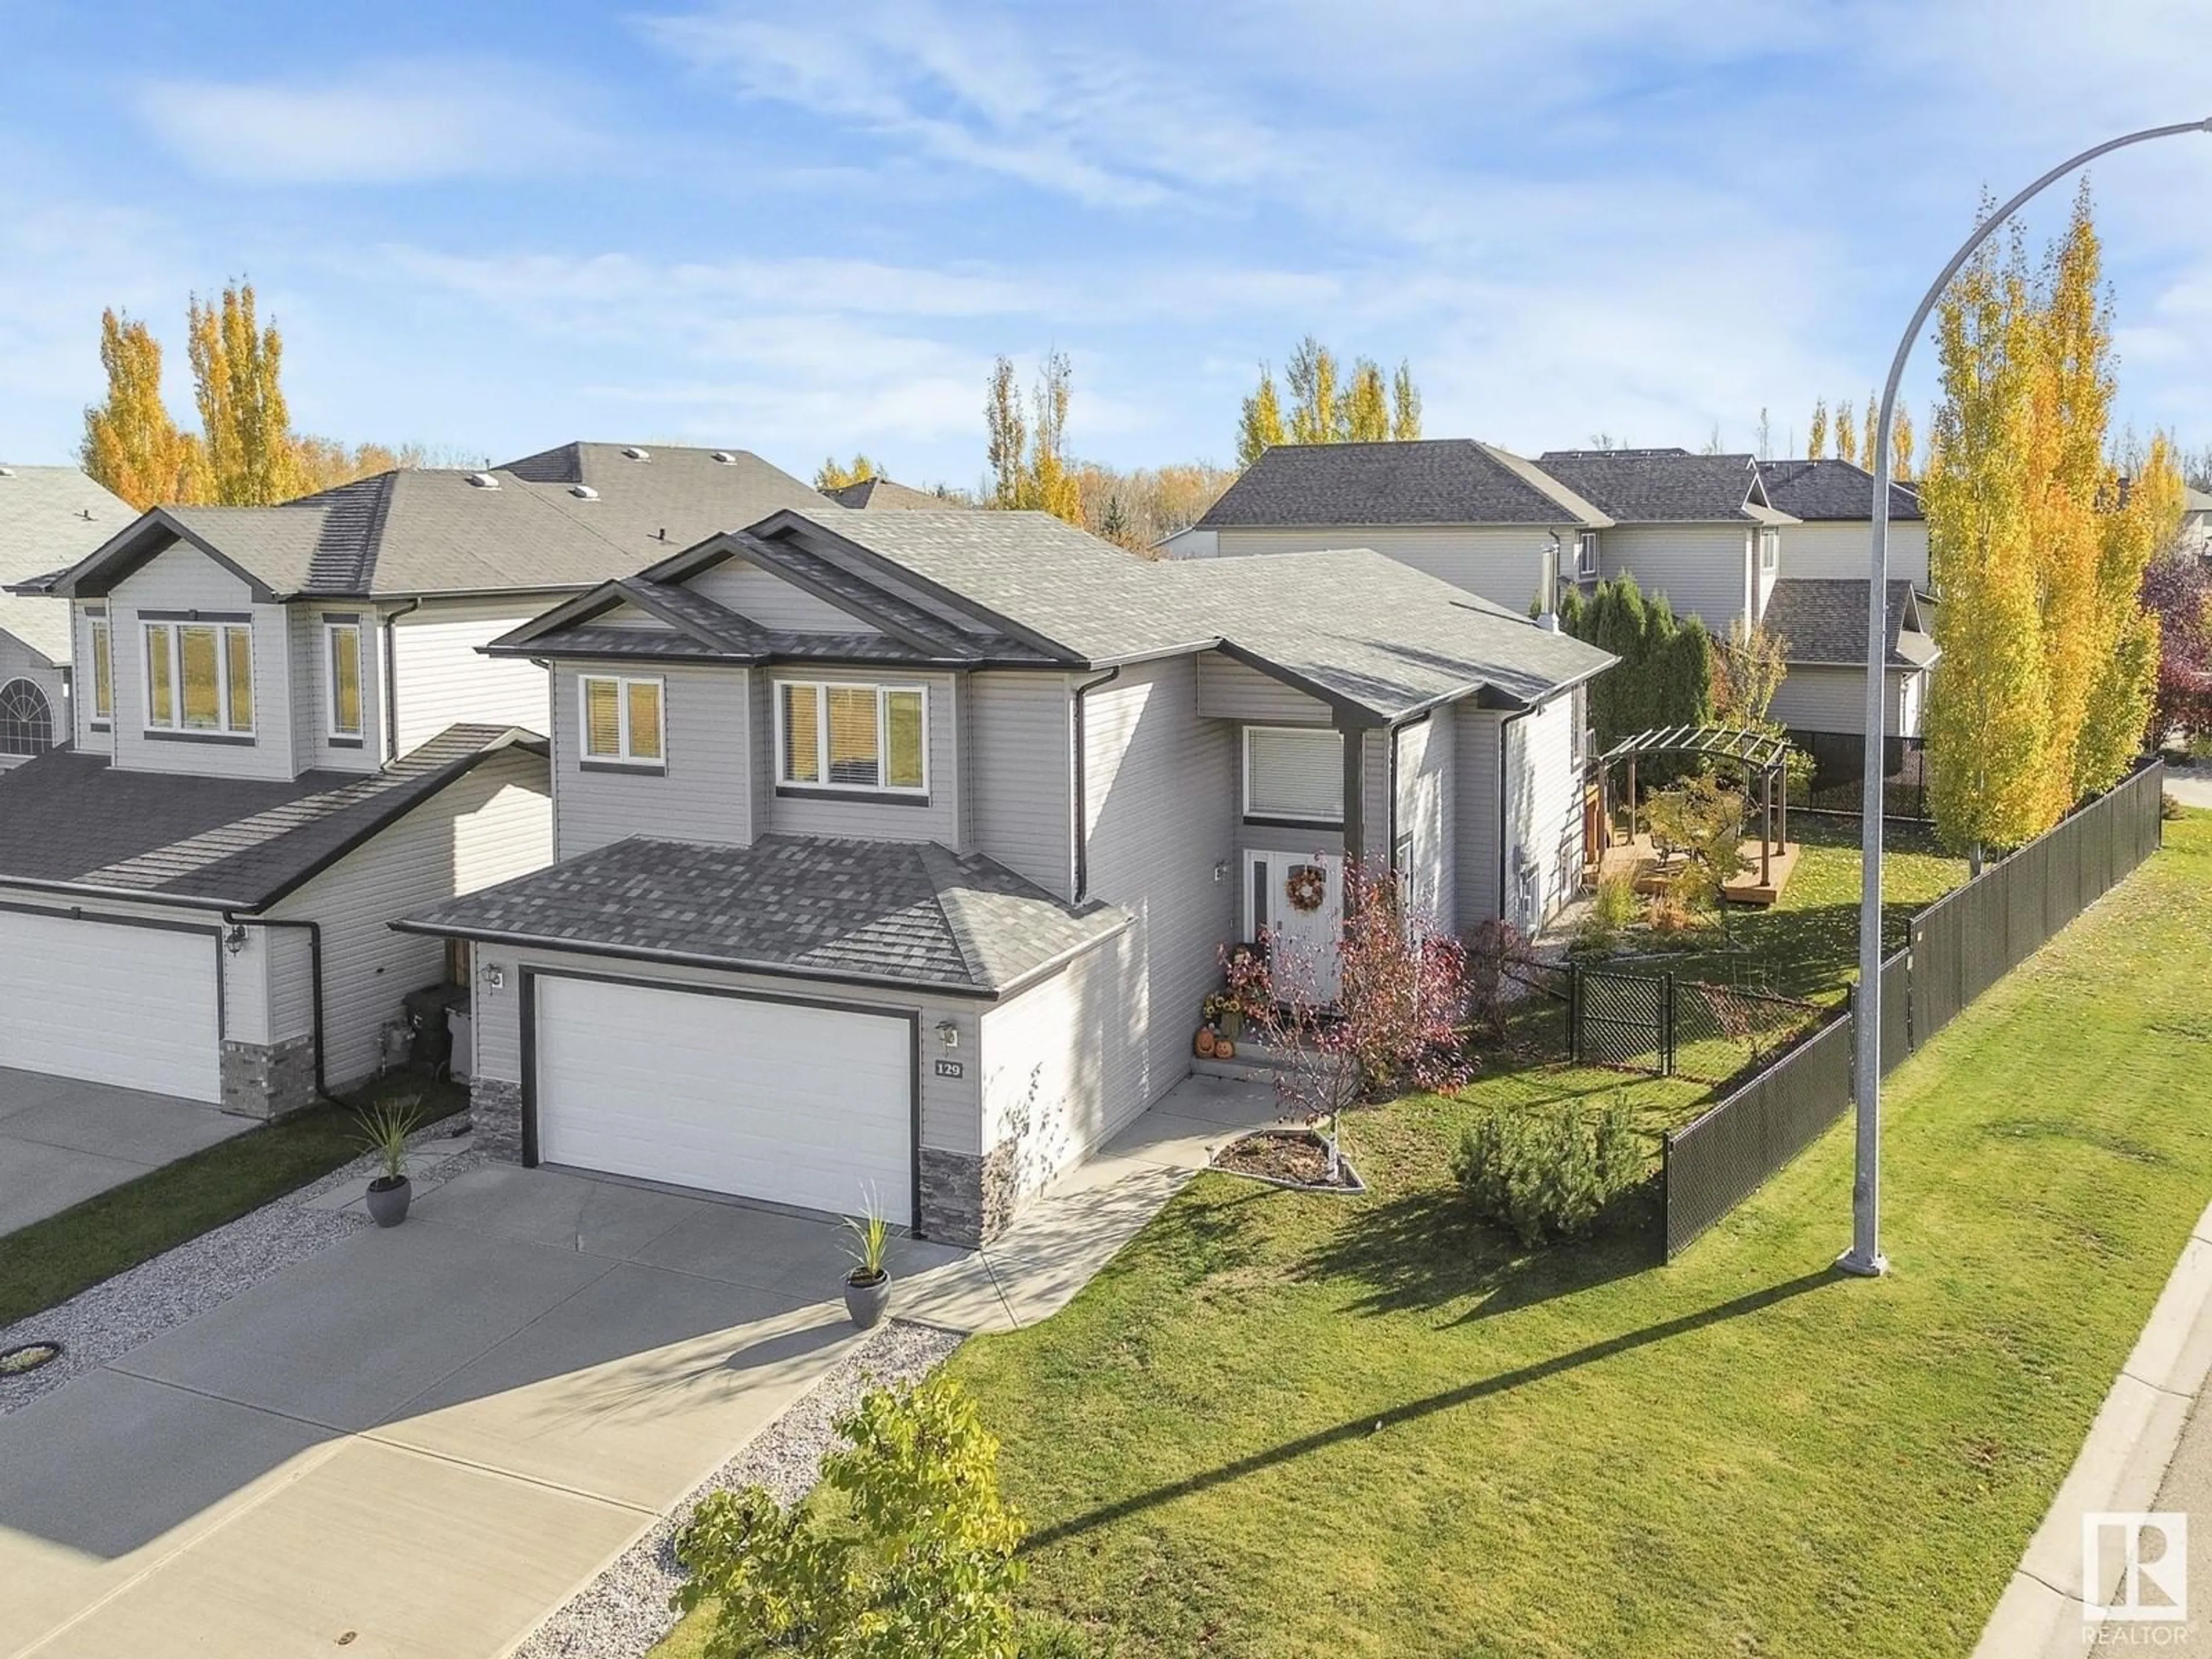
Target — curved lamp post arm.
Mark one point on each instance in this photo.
(1865, 1254)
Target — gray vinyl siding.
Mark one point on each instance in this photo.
(1505, 563)
(18, 661)
(1156, 837)
(1477, 736)
(1824, 699)
(1020, 767)
(443, 678)
(89, 740)
(1052, 1060)
(1703, 569)
(935, 818)
(183, 579)
(1428, 815)
(1544, 808)
(1230, 691)
(773, 602)
(290, 959)
(951, 1113)
(312, 747)
(704, 794)
(1842, 551)
(493, 824)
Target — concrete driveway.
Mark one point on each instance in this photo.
(62, 1141)
(420, 1442)
(2191, 785)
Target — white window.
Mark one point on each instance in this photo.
(1770, 549)
(622, 720)
(1293, 773)
(832, 735)
(103, 673)
(199, 677)
(1586, 556)
(342, 676)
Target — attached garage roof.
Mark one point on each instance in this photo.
(899, 913)
(74, 822)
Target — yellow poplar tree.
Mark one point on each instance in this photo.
(1988, 718)
(1316, 414)
(1816, 433)
(2125, 683)
(1847, 432)
(1260, 428)
(1028, 464)
(1900, 445)
(131, 444)
(1872, 436)
(834, 474)
(1009, 436)
(1367, 407)
(1405, 403)
(237, 366)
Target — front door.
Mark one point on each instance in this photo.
(1298, 898)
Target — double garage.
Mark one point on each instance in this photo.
(135, 1002)
(811, 1104)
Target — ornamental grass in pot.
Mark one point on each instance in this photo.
(385, 1128)
(868, 1283)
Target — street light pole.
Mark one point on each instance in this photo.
(1865, 1257)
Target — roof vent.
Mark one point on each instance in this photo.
(584, 492)
(637, 454)
(484, 481)
(7, 472)
(724, 456)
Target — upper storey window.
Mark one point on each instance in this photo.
(199, 678)
(861, 738)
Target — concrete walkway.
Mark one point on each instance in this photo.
(2191, 785)
(2128, 1464)
(62, 1141)
(423, 1441)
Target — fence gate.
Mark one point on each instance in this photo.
(1625, 1020)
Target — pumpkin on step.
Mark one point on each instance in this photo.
(1207, 1043)
(1225, 1049)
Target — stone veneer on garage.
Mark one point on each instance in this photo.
(268, 1080)
(496, 1117)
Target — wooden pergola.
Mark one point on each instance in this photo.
(1760, 753)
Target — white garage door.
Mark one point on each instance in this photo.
(773, 1100)
(110, 1003)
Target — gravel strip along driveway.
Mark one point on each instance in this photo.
(624, 1611)
(117, 1314)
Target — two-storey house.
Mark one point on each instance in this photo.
(896, 851)
(48, 514)
(284, 737)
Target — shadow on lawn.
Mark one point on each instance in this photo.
(1412, 1411)
(1424, 1249)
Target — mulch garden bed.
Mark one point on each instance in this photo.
(1296, 1158)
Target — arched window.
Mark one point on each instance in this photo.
(26, 720)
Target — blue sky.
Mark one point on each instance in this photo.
(800, 228)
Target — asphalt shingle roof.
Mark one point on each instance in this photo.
(1825, 490)
(73, 819)
(1824, 619)
(1427, 480)
(1661, 486)
(906, 913)
(433, 531)
(48, 516)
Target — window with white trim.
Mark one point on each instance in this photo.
(199, 677)
(1585, 554)
(1294, 773)
(1770, 549)
(833, 734)
(342, 676)
(622, 720)
(103, 672)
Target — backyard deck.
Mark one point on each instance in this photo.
(1653, 873)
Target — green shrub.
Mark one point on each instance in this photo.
(1547, 1172)
(914, 1554)
(1045, 1636)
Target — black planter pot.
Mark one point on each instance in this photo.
(388, 1199)
(865, 1300)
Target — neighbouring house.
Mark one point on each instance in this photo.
(1191, 541)
(897, 852)
(1467, 513)
(284, 736)
(881, 495)
(1832, 504)
(1698, 528)
(48, 515)
(2196, 537)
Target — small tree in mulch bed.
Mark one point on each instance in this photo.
(1392, 1022)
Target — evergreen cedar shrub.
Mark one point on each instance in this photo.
(1665, 675)
(1547, 1172)
(913, 1553)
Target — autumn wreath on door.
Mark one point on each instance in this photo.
(1306, 886)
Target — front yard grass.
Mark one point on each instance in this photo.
(50, 1260)
(1283, 1424)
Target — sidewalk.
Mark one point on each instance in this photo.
(2148, 1449)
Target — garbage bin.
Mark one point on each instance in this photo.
(425, 1012)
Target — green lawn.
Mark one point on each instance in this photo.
(50, 1260)
(1807, 945)
(1282, 1425)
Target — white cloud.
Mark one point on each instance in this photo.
(390, 123)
